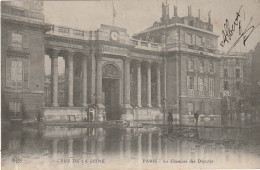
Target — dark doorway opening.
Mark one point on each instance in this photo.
(111, 91)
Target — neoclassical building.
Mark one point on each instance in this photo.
(171, 66)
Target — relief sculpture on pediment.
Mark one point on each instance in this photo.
(110, 71)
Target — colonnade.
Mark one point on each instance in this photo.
(69, 55)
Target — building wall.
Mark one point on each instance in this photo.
(197, 97)
(171, 82)
(31, 52)
(255, 76)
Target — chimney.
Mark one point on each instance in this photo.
(167, 10)
(189, 11)
(209, 15)
(199, 13)
(175, 11)
(163, 11)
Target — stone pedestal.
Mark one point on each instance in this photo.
(100, 113)
(128, 114)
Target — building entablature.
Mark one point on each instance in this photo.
(234, 55)
(105, 34)
(194, 53)
(188, 47)
(177, 25)
(145, 57)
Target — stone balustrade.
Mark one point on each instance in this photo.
(146, 45)
(98, 35)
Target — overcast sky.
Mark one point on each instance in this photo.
(137, 15)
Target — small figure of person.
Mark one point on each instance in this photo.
(170, 118)
(38, 117)
(196, 117)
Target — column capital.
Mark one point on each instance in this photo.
(138, 63)
(127, 60)
(148, 63)
(98, 57)
(53, 53)
(68, 53)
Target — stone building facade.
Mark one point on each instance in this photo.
(191, 63)
(173, 65)
(234, 77)
(255, 77)
(22, 61)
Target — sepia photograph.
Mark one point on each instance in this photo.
(130, 84)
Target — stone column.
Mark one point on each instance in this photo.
(128, 143)
(84, 143)
(84, 81)
(139, 85)
(66, 80)
(139, 146)
(149, 144)
(100, 139)
(165, 148)
(55, 147)
(70, 78)
(70, 149)
(159, 145)
(93, 146)
(149, 102)
(127, 83)
(121, 147)
(158, 75)
(99, 82)
(54, 61)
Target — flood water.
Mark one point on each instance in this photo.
(61, 147)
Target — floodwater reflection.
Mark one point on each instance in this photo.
(64, 147)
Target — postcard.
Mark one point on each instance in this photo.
(130, 84)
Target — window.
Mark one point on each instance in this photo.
(225, 72)
(201, 84)
(211, 87)
(238, 84)
(17, 73)
(191, 83)
(226, 85)
(188, 38)
(191, 64)
(237, 73)
(211, 67)
(63, 30)
(201, 66)
(199, 41)
(17, 40)
(238, 62)
(190, 108)
(15, 106)
(190, 23)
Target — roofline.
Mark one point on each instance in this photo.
(176, 24)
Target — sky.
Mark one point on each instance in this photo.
(137, 15)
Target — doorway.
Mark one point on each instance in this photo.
(111, 91)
